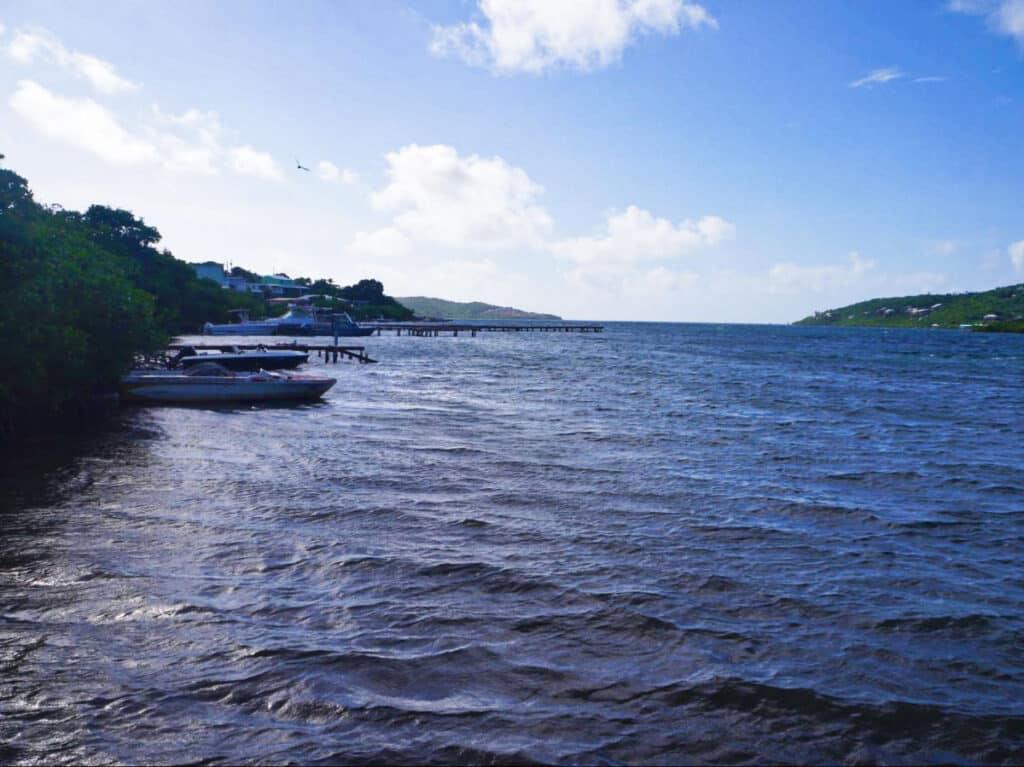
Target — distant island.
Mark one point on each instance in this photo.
(999, 309)
(472, 310)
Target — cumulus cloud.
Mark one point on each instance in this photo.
(469, 219)
(82, 123)
(878, 77)
(438, 197)
(534, 35)
(328, 171)
(26, 47)
(1016, 253)
(636, 235)
(1004, 17)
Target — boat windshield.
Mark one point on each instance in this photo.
(208, 369)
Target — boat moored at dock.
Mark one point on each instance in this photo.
(301, 319)
(211, 383)
(236, 359)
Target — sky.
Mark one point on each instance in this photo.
(599, 159)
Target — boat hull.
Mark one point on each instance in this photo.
(199, 389)
(249, 361)
(323, 329)
(241, 329)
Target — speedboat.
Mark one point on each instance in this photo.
(233, 359)
(210, 382)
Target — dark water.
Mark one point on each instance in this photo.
(662, 544)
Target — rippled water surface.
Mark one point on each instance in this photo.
(665, 543)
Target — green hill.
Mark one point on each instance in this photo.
(473, 310)
(997, 309)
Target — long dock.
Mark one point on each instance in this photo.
(327, 352)
(472, 328)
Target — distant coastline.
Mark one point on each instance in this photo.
(996, 310)
(471, 310)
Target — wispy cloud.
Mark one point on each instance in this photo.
(930, 79)
(878, 77)
(26, 47)
(1004, 17)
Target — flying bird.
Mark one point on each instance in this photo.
(300, 166)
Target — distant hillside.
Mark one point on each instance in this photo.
(997, 307)
(474, 310)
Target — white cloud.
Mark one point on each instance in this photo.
(3, 29)
(1005, 17)
(252, 162)
(442, 202)
(328, 171)
(441, 198)
(791, 278)
(82, 123)
(878, 77)
(636, 235)
(1016, 253)
(196, 142)
(534, 35)
(192, 142)
(27, 46)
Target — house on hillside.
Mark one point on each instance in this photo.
(211, 270)
(281, 285)
(238, 284)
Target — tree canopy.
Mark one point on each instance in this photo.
(82, 293)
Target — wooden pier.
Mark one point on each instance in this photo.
(326, 352)
(472, 328)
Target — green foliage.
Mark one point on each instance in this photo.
(237, 271)
(82, 293)
(364, 300)
(1013, 326)
(70, 318)
(183, 302)
(947, 310)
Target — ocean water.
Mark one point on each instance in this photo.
(660, 544)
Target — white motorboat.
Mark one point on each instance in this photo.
(209, 382)
(234, 359)
(301, 319)
(242, 326)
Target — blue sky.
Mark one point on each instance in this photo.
(614, 159)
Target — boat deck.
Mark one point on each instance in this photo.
(327, 352)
